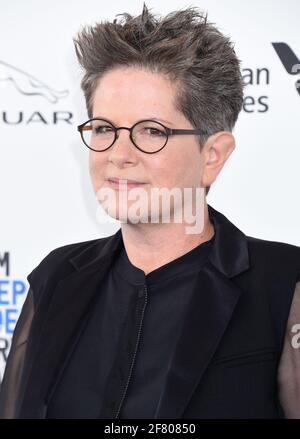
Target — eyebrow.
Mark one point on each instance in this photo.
(158, 119)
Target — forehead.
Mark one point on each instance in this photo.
(132, 89)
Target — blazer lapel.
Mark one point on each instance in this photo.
(209, 312)
(65, 319)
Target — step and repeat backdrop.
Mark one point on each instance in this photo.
(46, 197)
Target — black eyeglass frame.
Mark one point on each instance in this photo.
(169, 132)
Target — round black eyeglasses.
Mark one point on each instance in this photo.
(149, 136)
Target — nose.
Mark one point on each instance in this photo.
(123, 150)
(123, 128)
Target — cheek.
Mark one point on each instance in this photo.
(177, 169)
(160, 168)
(188, 165)
(96, 168)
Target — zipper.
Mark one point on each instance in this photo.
(134, 355)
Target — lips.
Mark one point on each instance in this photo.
(116, 183)
(124, 181)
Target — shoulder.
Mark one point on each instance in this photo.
(274, 247)
(275, 255)
(56, 264)
(267, 258)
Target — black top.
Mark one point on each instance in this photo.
(80, 392)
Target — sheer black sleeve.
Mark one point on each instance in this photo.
(10, 386)
(289, 365)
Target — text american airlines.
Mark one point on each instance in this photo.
(30, 86)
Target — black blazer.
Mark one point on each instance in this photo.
(227, 360)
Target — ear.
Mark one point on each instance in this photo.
(216, 151)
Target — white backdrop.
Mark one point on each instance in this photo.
(46, 196)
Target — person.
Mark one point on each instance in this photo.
(155, 321)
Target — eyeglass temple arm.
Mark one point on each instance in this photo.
(84, 127)
(172, 131)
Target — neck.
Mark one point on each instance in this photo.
(149, 246)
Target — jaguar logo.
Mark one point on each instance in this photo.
(28, 84)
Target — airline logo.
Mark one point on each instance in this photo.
(290, 61)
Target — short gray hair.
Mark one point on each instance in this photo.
(185, 47)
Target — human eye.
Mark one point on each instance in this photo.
(102, 129)
(154, 132)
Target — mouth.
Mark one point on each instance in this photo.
(118, 184)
